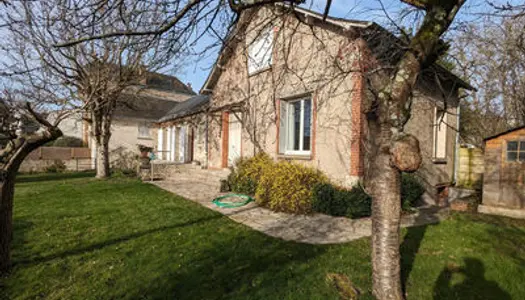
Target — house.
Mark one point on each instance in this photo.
(139, 108)
(504, 177)
(291, 83)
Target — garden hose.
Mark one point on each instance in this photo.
(218, 201)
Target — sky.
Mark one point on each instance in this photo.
(195, 70)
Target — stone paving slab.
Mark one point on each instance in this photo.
(311, 229)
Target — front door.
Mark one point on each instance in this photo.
(234, 139)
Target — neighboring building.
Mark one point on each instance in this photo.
(136, 115)
(504, 178)
(182, 134)
(72, 126)
(291, 84)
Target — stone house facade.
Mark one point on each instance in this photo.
(297, 87)
(136, 116)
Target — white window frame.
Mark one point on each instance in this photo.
(257, 60)
(438, 125)
(140, 126)
(284, 130)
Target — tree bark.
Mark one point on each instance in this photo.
(12, 157)
(101, 130)
(103, 170)
(7, 189)
(386, 217)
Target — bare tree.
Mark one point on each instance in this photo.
(23, 130)
(491, 54)
(96, 72)
(394, 151)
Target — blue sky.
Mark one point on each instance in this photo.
(195, 70)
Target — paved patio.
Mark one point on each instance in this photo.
(311, 229)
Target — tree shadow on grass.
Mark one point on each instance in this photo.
(110, 242)
(412, 242)
(25, 178)
(473, 286)
(250, 266)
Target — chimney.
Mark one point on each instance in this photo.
(189, 86)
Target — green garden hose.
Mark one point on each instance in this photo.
(218, 201)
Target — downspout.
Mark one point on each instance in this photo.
(456, 154)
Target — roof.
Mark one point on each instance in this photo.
(503, 133)
(143, 106)
(241, 25)
(167, 83)
(191, 106)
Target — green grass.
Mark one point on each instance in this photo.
(80, 238)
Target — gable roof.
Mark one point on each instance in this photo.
(142, 106)
(165, 82)
(232, 40)
(191, 106)
(503, 133)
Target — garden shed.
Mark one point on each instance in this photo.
(504, 179)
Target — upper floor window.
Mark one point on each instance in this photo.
(260, 51)
(144, 130)
(516, 151)
(295, 127)
(440, 134)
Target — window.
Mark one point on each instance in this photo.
(295, 127)
(144, 131)
(260, 51)
(440, 134)
(516, 151)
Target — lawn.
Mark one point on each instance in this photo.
(81, 238)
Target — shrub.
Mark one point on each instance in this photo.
(288, 187)
(66, 141)
(58, 166)
(336, 201)
(411, 191)
(247, 173)
(355, 203)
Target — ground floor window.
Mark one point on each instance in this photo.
(296, 127)
(144, 130)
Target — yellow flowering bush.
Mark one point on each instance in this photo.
(288, 187)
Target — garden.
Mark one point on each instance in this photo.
(76, 237)
(293, 188)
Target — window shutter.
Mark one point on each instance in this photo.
(282, 127)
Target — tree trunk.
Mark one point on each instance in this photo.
(101, 131)
(102, 157)
(14, 154)
(7, 189)
(391, 111)
(386, 216)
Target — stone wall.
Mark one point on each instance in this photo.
(40, 165)
(75, 159)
